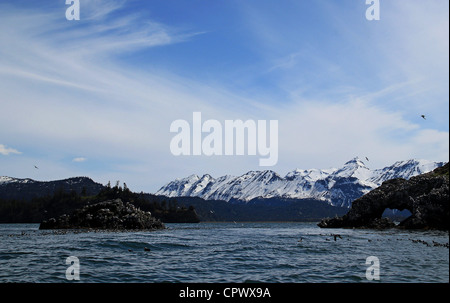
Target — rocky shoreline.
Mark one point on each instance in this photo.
(113, 215)
(426, 196)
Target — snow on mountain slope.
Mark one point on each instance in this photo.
(6, 180)
(338, 187)
(354, 168)
(403, 169)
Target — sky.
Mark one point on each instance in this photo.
(96, 97)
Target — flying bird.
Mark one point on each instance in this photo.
(36, 167)
(423, 116)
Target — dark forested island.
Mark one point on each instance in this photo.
(34, 202)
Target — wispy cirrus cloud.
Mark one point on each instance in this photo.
(95, 88)
(6, 151)
(82, 97)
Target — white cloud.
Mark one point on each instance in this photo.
(81, 99)
(6, 151)
(88, 103)
(317, 134)
(79, 159)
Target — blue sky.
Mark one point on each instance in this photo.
(96, 97)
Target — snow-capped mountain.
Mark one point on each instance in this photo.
(339, 187)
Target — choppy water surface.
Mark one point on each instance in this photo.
(223, 252)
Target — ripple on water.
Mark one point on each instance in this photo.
(221, 252)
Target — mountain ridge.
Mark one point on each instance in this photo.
(337, 186)
(27, 189)
(31, 201)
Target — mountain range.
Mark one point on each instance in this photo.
(301, 195)
(336, 186)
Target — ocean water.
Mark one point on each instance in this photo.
(224, 253)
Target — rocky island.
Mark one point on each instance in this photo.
(426, 196)
(108, 215)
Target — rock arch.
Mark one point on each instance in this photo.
(425, 196)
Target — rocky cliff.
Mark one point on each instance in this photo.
(113, 214)
(426, 196)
